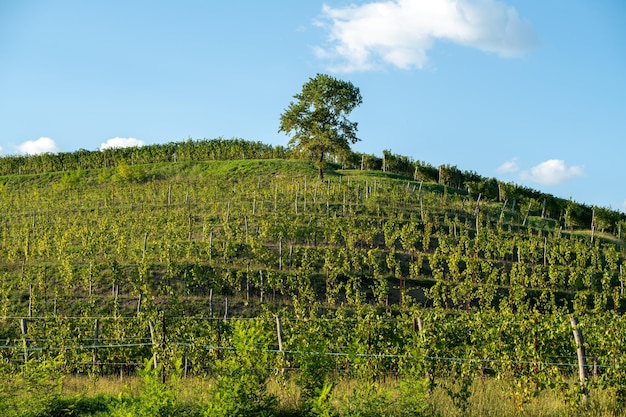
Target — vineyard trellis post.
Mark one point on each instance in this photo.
(530, 204)
(153, 340)
(211, 302)
(279, 334)
(24, 331)
(418, 326)
(580, 353)
(96, 333)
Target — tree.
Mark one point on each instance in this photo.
(319, 119)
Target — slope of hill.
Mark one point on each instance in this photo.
(80, 239)
(174, 254)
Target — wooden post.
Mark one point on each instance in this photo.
(96, 335)
(477, 209)
(211, 244)
(530, 204)
(211, 302)
(24, 331)
(502, 210)
(261, 278)
(139, 303)
(153, 340)
(279, 333)
(580, 353)
(226, 308)
(418, 325)
(593, 224)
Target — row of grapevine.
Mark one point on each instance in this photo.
(531, 352)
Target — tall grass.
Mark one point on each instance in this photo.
(347, 397)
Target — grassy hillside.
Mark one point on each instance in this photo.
(192, 264)
(74, 241)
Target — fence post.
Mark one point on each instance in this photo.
(96, 335)
(24, 330)
(139, 299)
(580, 353)
(153, 340)
(279, 333)
(211, 302)
(418, 326)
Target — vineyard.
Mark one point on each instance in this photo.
(239, 266)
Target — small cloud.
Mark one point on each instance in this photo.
(552, 172)
(39, 146)
(401, 32)
(508, 167)
(624, 206)
(121, 143)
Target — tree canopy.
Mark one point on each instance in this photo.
(319, 119)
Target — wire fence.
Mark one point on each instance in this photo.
(83, 346)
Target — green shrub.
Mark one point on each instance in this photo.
(242, 374)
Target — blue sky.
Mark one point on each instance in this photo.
(532, 92)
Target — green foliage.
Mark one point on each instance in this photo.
(70, 179)
(404, 399)
(128, 173)
(155, 399)
(321, 405)
(319, 119)
(242, 373)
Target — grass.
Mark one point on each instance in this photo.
(87, 396)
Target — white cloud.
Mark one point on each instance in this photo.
(400, 32)
(41, 145)
(552, 172)
(508, 167)
(121, 143)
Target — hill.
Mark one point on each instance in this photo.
(76, 241)
(192, 253)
